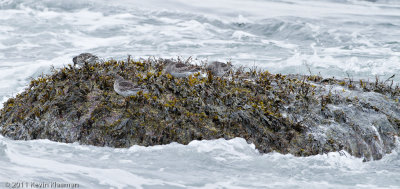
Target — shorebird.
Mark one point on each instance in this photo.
(179, 69)
(218, 68)
(126, 88)
(85, 57)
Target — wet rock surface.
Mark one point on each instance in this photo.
(301, 115)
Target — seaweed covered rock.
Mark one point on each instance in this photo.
(301, 115)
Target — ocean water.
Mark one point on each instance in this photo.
(359, 39)
(200, 164)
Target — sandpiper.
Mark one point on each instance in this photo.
(218, 68)
(126, 88)
(179, 69)
(85, 57)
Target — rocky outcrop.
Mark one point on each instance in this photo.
(301, 115)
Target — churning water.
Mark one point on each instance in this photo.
(339, 38)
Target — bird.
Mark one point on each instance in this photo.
(218, 68)
(178, 69)
(126, 88)
(85, 58)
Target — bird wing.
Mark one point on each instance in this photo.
(180, 65)
(126, 84)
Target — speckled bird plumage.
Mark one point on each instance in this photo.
(126, 88)
(85, 57)
(218, 68)
(180, 70)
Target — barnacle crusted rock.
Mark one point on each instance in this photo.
(301, 115)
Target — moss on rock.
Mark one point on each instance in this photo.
(79, 105)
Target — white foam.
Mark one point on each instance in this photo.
(205, 164)
(281, 44)
(242, 35)
(234, 149)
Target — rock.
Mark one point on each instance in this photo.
(301, 115)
